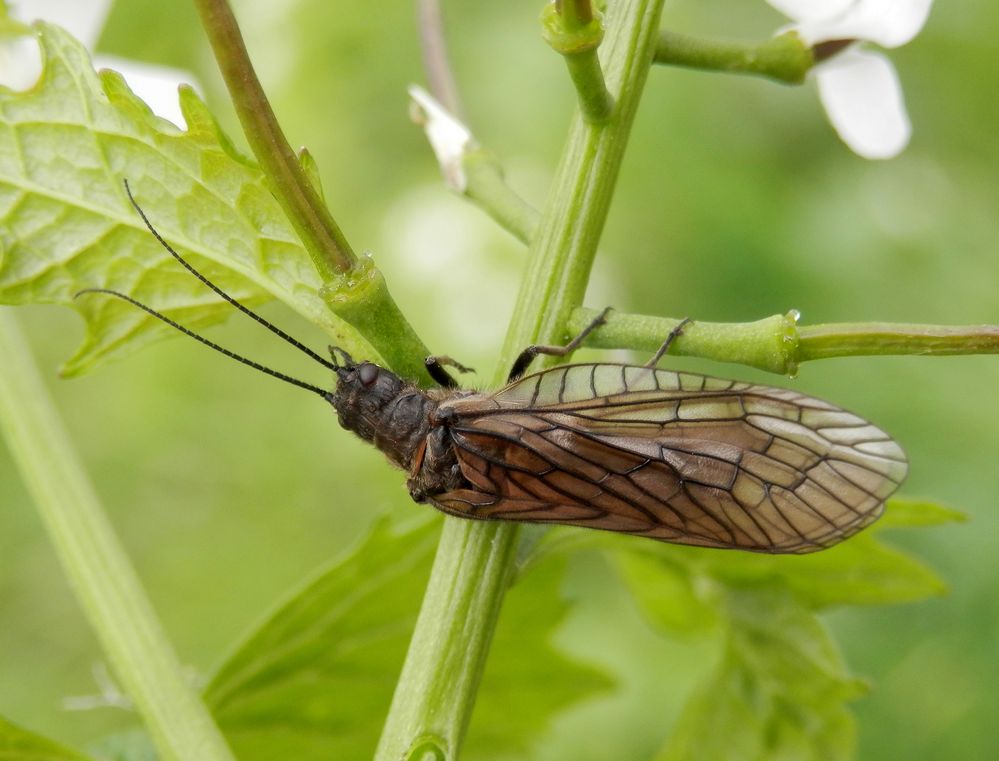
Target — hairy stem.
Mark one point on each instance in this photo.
(104, 581)
(435, 694)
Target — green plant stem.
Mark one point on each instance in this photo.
(474, 563)
(563, 248)
(778, 345)
(320, 234)
(486, 186)
(470, 170)
(355, 290)
(784, 58)
(361, 297)
(769, 344)
(433, 44)
(102, 577)
(575, 30)
(857, 339)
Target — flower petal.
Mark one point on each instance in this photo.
(449, 138)
(83, 19)
(809, 10)
(863, 99)
(889, 23)
(20, 62)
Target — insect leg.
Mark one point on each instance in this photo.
(345, 361)
(673, 335)
(435, 367)
(528, 354)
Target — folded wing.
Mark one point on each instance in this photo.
(672, 456)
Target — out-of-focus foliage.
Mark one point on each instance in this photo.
(736, 201)
(780, 688)
(315, 680)
(17, 744)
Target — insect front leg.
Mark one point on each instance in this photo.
(528, 354)
(435, 367)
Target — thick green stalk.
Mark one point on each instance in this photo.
(770, 344)
(778, 345)
(98, 568)
(784, 58)
(436, 691)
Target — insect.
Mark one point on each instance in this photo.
(676, 457)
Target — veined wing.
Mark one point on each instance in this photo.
(673, 456)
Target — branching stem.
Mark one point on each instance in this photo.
(474, 563)
(575, 29)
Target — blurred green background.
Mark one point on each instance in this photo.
(736, 201)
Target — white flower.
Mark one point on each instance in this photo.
(21, 65)
(860, 89)
(449, 138)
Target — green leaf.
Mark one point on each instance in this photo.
(67, 144)
(527, 680)
(916, 512)
(860, 571)
(18, 744)
(780, 690)
(665, 592)
(316, 679)
(778, 693)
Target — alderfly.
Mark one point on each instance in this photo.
(677, 457)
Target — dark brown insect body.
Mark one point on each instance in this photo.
(672, 456)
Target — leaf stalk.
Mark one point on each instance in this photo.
(299, 198)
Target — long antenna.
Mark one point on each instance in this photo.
(211, 344)
(245, 310)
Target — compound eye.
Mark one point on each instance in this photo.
(367, 373)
